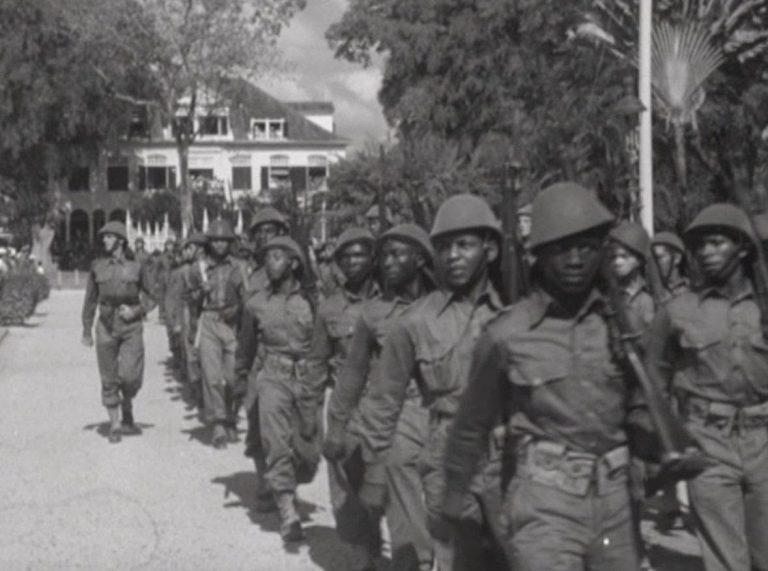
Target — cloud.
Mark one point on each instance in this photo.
(316, 75)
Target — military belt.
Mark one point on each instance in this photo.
(576, 473)
(725, 415)
(281, 362)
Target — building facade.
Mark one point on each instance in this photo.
(253, 143)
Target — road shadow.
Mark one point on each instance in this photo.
(200, 434)
(102, 428)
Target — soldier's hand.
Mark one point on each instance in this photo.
(308, 426)
(87, 341)
(373, 496)
(177, 329)
(333, 448)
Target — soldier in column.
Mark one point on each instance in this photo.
(708, 344)
(273, 345)
(354, 254)
(405, 257)
(180, 311)
(121, 290)
(433, 343)
(630, 245)
(266, 224)
(547, 364)
(669, 254)
(373, 220)
(165, 264)
(219, 287)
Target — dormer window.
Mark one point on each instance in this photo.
(268, 129)
(214, 125)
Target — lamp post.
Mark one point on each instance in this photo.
(646, 129)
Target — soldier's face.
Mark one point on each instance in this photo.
(623, 262)
(666, 258)
(524, 225)
(110, 242)
(718, 255)
(220, 248)
(278, 263)
(400, 263)
(570, 266)
(264, 233)
(355, 262)
(189, 252)
(463, 257)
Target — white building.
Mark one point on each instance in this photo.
(254, 143)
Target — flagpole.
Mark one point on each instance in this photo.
(646, 129)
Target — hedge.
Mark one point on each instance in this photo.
(20, 292)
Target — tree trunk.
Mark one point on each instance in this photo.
(185, 190)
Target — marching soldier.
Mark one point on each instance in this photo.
(267, 223)
(373, 220)
(122, 291)
(273, 344)
(332, 335)
(709, 345)
(547, 361)
(219, 287)
(669, 254)
(180, 310)
(629, 252)
(433, 343)
(405, 260)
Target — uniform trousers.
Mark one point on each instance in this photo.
(218, 341)
(120, 356)
(729, 501)
(475, 542)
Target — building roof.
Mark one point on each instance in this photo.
(318, 107)
(251, 102)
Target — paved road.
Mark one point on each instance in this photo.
(163, 500)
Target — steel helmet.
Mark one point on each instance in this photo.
(761, 225)
(116, 228)
(289, 245)
(220, 230)
(196, 238)
(412, 234)
(632, 236)
(669, 239)
(565, 209)
(266, 215)
(721, 216)
(352, 236)
(464, 212)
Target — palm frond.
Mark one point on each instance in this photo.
(683, 58)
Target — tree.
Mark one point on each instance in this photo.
(192, 51)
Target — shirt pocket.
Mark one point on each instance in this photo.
(533, 374)
(706, 357)
(433, 356)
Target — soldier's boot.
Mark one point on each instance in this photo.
(290, 522)
(219, 439)
(115, 435)
(128, 425)
(265, 499)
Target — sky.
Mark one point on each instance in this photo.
(316, 75)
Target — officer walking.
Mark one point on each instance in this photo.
(710, 347)
(433, 343)
(405, 260)
(273, 344)
(332, 335)
(122, 291)
(547, 361)
(219, 289)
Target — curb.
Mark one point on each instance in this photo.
(3, 334)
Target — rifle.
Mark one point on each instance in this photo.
(380, 194)
(300, 229)
(654, 280)
(681, 459)
(514, 268)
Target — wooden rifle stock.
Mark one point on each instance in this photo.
(681, 458)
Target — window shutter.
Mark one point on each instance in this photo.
(264, 178)
(299, 178)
